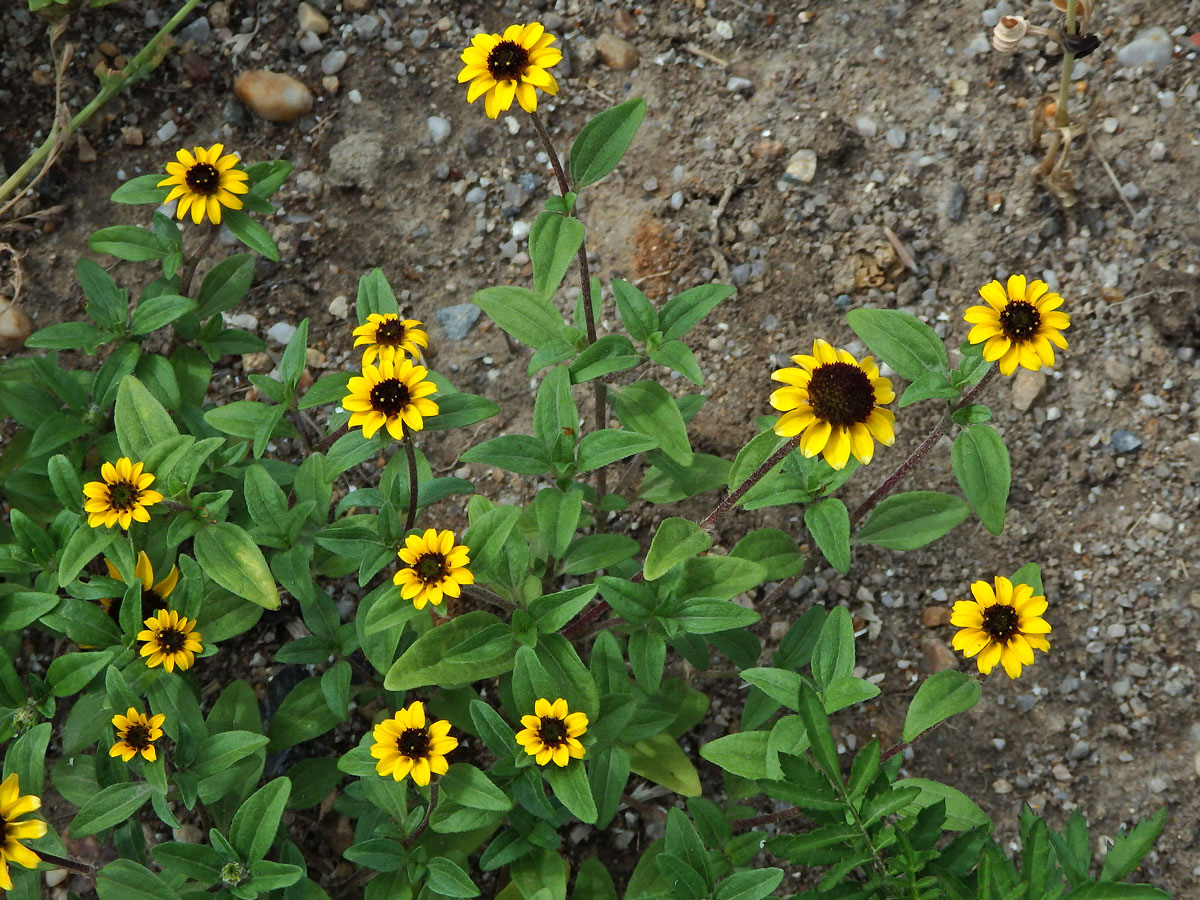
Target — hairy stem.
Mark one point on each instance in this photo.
(483, 595)
(420, 829)
(190, 262)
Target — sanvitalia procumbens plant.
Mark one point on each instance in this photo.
(521, 672)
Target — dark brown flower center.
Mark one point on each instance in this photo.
(137, 737)
(1020, 320)
(431, 567)
(391, 333)
(1000, 622)
(390, 397)
(413, 743)
(508, 59)
(203, 178)
(171, 640)
(553, 731)
(841, 394)
(123, 495)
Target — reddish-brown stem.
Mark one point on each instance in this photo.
(420, 829)
(411, 518)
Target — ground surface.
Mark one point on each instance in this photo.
(913, 128)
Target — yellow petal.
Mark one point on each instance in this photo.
(993, 293)
(815, 438)
(1016, 287)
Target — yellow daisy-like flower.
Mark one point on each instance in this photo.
(136, 733)
(393, 394)
(12, 832)
(436, 568)
(405, 745)
(204, 181)
(1001, 625)
(514, 64)
(170, 641)
(389, 336)
(551, 734)
(153, 594)
(837, 402)
(122, 497)
(1018, 326)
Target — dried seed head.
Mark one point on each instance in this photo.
(1007, 33)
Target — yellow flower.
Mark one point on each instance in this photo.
(436, 568)
(1019, 326)
(12, 832)
(136, 733)
(391, 395)
(551, 734)
(836, 402)
(153, 594)
(513, 65)
(1001, 625)
(404, 745)
(170, 641)
(204, 181)
(389, 336)
(122, 497)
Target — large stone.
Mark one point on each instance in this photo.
(355, 160)
(273, 96)
(15, 325)
(616, 52)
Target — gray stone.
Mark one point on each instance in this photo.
(896, 137)
(743, 86)
(801, 167)
(457, 320)
(281, 332)
(334, 62)
(1125, 441)
(1151, 48)
(366, 27)
(419, 37)
(439, 128)
(355, 160)
(866, 126)
(1026, 387)
(515, 196)
(198, 30)
(475, 196)
(309, 42)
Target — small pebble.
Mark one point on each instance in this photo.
(1125, 441)
(366, 27)
(15, 326)
(475, 196)
(616, 52)
(354, 96)
(866, 126)
(1151, 48)
(309, 42)
(743, 86)
(311, 19)
(273, 96)
(801, 167)
(281, 332)
(1116, 630)
(1158, 151)
(339, 307)
(1001, 786)
(933, 616)
(419, 37)
(956, 201)
(334, 62)
(1111, 124)
(439, 128)
(936, 656)
(1160, 521)
(167, 131)
(677, 201)
(896, 137)
(198, 30)
(650, 185)
(1157, 784)
(457, 320)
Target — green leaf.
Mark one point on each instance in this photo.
(469, 787)
(636, 311)
(660, 759)
(331, 388)
(107, 305)
(71, 673)
(231, 558)
(781, 685)
(570, 786)
(718, 577)
(752, 885)
(142, 189)
(159, 311)
(220, 751)
(82, 547)
(448, 879)
(678, 356)
(647, 408)
(611, 353)
(303, 715)
(469, 647)
(683, 311)
(608, 774)
(829, 523)
(603, 141)
(460, 409)
(708, 616)
(833, 655)
(744, 753)
(939, 697)
(1030, 574)
(140, 420)
(930, 386)
(123, 879)
(375, 297)
(291, 364)
(128, 242)
(557, 514)
(527, 317)
(225, 285)
(683, 842)
(816, 726)
(675, 540)
(961, 812)
(26, 757)
(251, 233)
(253, 829)
(591, 552)
(901, 340)
(520, 453)
(982, 468)
(846, 690)
(911, 520)
(1128, 850)
(599, 448)
(197, 861)
(552, 612)
(553, 242)
(773, 549)
(110, 805)
(70, 336)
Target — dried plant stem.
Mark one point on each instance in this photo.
(111, 85)
(599, 398)
(1061, 118)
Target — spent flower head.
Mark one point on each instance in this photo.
(121, 497)
(170, 641)
(388, 336)
(553, 733)
(435, 568)
(406, 745)
(136, 733)
(1017, 327)
(1002, 624)
(835, 403)
(392, 395)
(12, 832)
(501, 67)
(203, 181)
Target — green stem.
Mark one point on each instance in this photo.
(139, 65)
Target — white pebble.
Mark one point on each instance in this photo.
(309, 42)
(334, 62)
(511, 123)
(1158, 151)
(167, 131)
(520, 230)
(281, 332)
(866, 126)
(439, 128)
(354, 96)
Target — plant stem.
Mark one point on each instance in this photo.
(411, 517)
(919, 454)
(420, 829)
(136, 66)
(1061, 119)
(71, 865)
(475, 592)
(599, 398)
(189, 264)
